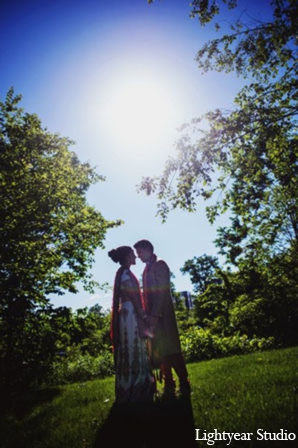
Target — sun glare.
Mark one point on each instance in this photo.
(139, 112)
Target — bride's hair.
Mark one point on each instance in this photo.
(119, 255)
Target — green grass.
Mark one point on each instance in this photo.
(237, 394)
(244, 393)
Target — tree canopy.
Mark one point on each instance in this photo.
(243, 160)
(49, 232)
(202, 271)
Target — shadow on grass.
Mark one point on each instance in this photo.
(169, 423)
(17, 428)
(21, 402)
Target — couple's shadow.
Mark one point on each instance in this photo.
(154, 425)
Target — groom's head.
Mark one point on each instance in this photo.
(144, 250)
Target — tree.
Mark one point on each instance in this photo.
(246, 159)
(201, 270)
(49, 233)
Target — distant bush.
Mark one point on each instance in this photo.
(199, 345)
(78, 367)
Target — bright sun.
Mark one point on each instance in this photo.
(139, 111)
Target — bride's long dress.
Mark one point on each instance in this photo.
(134, 378)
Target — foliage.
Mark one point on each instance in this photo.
(212, 308)
(86, 353)
(254, 301)
(33, 353)
(202, 271)
(185, 315)
(78, 367)
(245, 160)
(82, 347)
(199, 345)
(60, 345)
(49, 233)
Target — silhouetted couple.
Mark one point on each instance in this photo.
(145, 339)
(144, 330)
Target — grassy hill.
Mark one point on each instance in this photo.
(240, 394)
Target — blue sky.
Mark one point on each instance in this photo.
(118, 78)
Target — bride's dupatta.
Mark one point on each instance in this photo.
(114, 330)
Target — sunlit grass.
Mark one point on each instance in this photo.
(238, 394)
(244, 393)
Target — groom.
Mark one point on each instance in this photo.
(162, 319)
